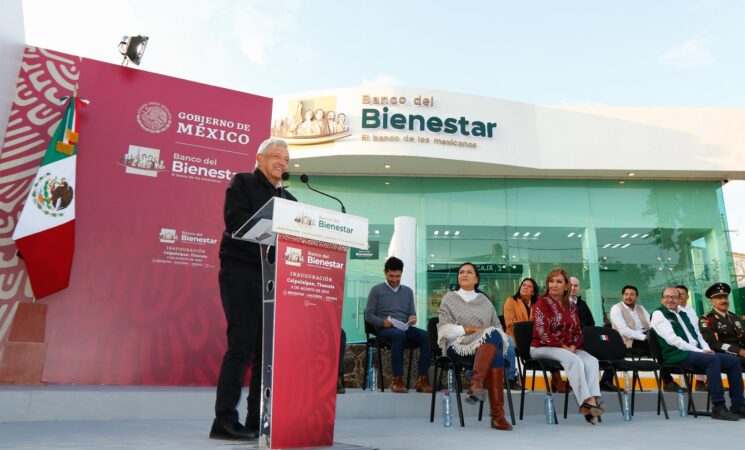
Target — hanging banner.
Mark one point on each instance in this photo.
(307, 332)
(154, 158)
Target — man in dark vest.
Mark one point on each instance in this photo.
(679, 343)
(723, 330)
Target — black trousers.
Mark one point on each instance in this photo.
(342, 351)
(241, 295)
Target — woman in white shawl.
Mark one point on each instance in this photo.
(469, 326)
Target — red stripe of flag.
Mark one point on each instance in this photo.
(48, 257)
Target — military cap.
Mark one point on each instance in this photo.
(718, 290)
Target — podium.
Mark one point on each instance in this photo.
(303, 261)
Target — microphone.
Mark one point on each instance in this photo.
(285, 177)
(304, 179)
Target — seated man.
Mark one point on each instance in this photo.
(631, 321)
(678, 342)
(693, 316)
(583, 311)
(722, 329)
(391, 301)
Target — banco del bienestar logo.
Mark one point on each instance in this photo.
(304, 219)
(52, 194)
(154, 117)
(168, 235)
(142, 161)
(294, 256)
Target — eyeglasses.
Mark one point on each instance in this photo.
(671, 297)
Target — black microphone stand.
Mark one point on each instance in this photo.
(304, 179)
(284, 178)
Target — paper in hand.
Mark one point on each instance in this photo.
(398, 324)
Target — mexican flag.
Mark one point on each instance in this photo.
(45, 234)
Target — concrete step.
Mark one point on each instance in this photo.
(68, 403)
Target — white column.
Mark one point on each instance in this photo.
(403, 247)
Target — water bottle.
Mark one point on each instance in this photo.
(373, 377)
(626, 406)
(682, 406)
(627, 380)
(548, 404)
(447, 413)
(451, 380)
(370, 371)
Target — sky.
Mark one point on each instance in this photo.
(676, 53)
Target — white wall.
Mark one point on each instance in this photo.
(11, 51)
(530, 140)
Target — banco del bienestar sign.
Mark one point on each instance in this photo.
(385, 118)
(382, 115)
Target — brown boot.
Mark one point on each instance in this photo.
(557, 383)
(398, 386)
(422, 384)
(484, 356)
(495, 383)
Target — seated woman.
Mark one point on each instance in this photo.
(469, 326)
(517, 307)
(558, 336)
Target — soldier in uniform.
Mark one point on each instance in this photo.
(723, 330)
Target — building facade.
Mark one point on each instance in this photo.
(616, 196)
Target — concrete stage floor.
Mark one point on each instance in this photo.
(179, 418)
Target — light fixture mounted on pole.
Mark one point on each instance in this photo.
(132, 48)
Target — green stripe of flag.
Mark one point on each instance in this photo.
(52, 155)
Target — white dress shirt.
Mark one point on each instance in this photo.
(663, 328)
(616, 318)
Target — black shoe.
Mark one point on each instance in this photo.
(672, 386)
(609, 387)
(739, 410)
(514, 385)
(252, 425)
(233, 431)
(340, 386)
(720, 412)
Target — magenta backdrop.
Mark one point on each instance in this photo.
(143, 305)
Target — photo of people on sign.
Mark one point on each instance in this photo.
(311, 121)
(167, 235)
(293, 256)
(142, 161)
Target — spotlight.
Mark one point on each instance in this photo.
(132, 48)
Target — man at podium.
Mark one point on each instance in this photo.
(241, 291)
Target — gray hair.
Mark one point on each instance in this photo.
(268, 144)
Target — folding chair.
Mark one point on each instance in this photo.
(374, 341)
(606, 344)
(523, 336)
(686, 370)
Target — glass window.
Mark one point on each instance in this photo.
(645, 233)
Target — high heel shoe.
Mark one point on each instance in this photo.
(600, 404)
(591, 412)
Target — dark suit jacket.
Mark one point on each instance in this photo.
(585, 316)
